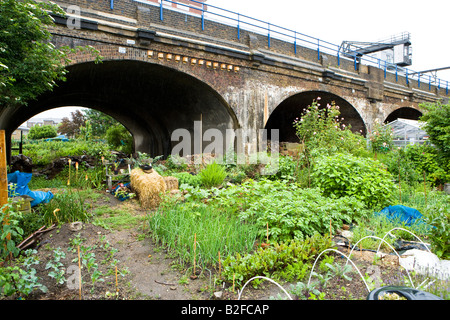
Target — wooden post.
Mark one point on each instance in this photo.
(425, 186)
(195, 247)
(3, 177)
(3, 172)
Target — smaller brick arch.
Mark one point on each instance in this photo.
(284, 114)
(405, 113)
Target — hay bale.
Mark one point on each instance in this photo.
(149, 186)
(171, 183)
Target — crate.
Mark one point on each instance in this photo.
(22, 203)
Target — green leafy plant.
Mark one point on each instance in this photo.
(296, 213)
(439, 217)
(437, 125)
(57, 268)
(212, 175)
(21, 280)
(187, 178)
(273, 260)
(363, 178)
(11, 232)
(66, 206)
(381, 137)
(321, 131)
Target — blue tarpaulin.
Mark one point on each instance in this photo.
(18, 186)
(409, 216)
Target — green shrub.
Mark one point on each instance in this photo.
(322, 132)
(42, 132)
(297, 213)
(289, 260)
(381, 138)
(120, 138)
(346, 175)
(437, 125)
(213, 175)
(438, 216)
(187, 178)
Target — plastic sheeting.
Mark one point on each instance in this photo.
(18, 186)
(406, 215)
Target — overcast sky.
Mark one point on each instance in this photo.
(338, 20)
(335, 21)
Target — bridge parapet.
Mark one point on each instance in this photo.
(196, 21)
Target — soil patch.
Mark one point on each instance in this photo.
(127, 264)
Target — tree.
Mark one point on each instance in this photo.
(119, 137)
(72, 127)
(437, 126)
(42, 132)
(29, 63)
(100, 122)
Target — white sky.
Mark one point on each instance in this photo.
(337, 20)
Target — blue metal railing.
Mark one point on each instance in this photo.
(298, 39)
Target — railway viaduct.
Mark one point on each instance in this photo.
(165, 67)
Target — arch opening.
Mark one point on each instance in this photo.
(150, 100)
(404, 113)
(285, 113)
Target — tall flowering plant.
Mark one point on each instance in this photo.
(381, 138)
(321, 130)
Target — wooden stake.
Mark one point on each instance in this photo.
(233, 281)
(68, 181)
(117, 283)
(399, 183)
(79, 271)
(425, 187)
(219, 265)
(195, 247)
(76, 171)
(3, 179)
(330, 229)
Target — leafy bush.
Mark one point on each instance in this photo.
(438, 216)
(289, 260)
(42, 132)
(213, 175)
(346, 175)
(187, 178)
(11, 233)
(322, 132)
(296, 213)
(437, 125)
(412, 162)
(44, 152)
(119, 137)
(381, 138)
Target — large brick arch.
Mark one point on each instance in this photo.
(287, 111)
(150, 99)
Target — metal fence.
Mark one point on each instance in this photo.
(272, 31)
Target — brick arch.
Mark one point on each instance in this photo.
(405, 113)
(283, 116)
(150, 99)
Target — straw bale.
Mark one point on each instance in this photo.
(171, 183)
(149, 186)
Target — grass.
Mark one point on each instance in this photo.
(215, 230)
